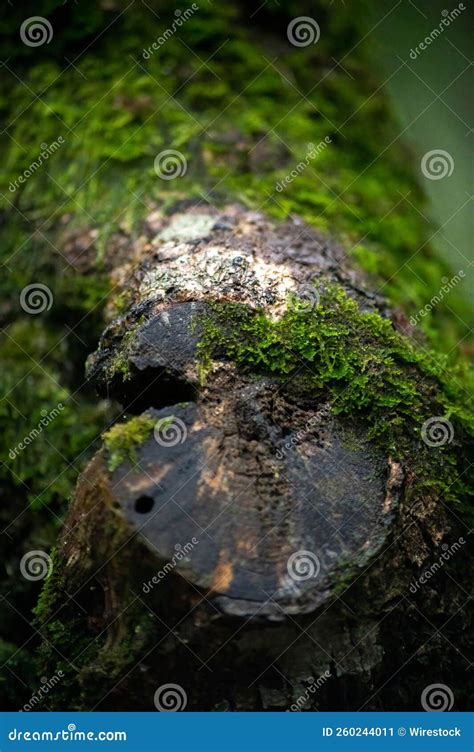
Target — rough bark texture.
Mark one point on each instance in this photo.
(240, 536)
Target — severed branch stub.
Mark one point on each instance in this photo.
(263, 507)
(281, 493)
(273, 534)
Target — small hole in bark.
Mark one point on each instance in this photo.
(144, 504)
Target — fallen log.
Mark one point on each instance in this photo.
(253, 535)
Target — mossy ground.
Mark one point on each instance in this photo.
(127, 108)
(234, 108)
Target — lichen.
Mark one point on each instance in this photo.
(122, 440)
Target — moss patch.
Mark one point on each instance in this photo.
(123, 439)
(48, 427)
(120, 362)
(364, 367)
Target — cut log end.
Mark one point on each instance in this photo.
(269, 503)
(281, 494)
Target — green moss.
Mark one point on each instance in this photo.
(164, 423)
(366, 369)
(367, 259)
(105, 167)
(122, 439)
(48, 429)
(90, 647)
(65, 648)
(49, 595)
(122, 302)
(120, 362)
(67, 645)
